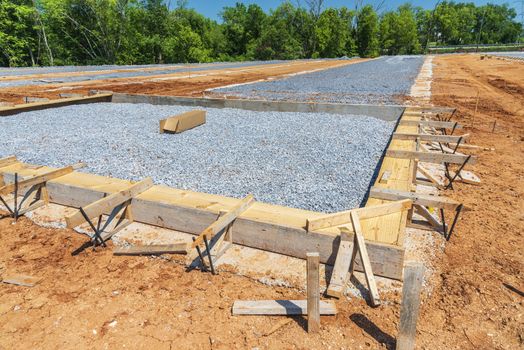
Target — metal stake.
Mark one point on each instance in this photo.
(450, 184)
(458, 210)
(209, 256)
(201, 257)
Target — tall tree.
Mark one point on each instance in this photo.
(332, 33)
(17, 33)
(398, 32)
(367, 32)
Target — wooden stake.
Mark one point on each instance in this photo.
(476, 105)
(313, 293)
(494, 125)
(413, 277)
(368, 272)
(340, 269)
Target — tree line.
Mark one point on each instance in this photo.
(80, 32)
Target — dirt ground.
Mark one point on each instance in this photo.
(174, 84)
(97, 300)
(478, 301)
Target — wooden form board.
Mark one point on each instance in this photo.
(264, 226)
(225, 220)
(106, 204)
(8, 161)
(431, 157)
(338, 280)
(362, 250)
(431, 123)
(154, 249)
(345, 217)
(417, 198)
(390, 229)
(429, 137)
(27, 183)
(27, 107)
(183, 122)
(280, 307)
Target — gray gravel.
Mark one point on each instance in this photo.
(379, 81)
(517, 54)
(320, 162)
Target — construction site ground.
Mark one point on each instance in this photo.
(185, 83)
(97, 300)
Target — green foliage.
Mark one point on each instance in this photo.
(332, 32)
(17, 33)
(398, 32)
(63, 32)
(367, 32)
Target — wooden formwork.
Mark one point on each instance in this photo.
(263, 226)
(36, 106)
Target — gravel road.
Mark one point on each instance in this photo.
(321, 162)
(380, 81)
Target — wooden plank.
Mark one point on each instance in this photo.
(220, 245)
(154, 249)
(280, 307)
(268, 227)
(344, 217)
(368, 271)
(426, 214)
(183, 122)
(391, 228)
(432, 178)
(21, 280)
(429, 137)
(431, 157)
(339, 275)
(466, 177)
(107, 204)
(430, 123)
(7, 161)
(224, 220)
(27, 183)
(386, 175)
(53, 104)
(313, 293)
(31, 99)
(409, 310)
(417, 198)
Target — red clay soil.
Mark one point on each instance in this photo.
(97, 300)
(479, 301)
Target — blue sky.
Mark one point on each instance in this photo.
(212, 8)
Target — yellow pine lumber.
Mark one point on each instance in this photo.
(344, 217)
(224, 220)
(106, 204)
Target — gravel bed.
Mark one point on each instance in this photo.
(380, 81)
(113, 75)
(66, 69)
(517, 54)
(320, 162)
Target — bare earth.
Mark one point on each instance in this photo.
(97, 300)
